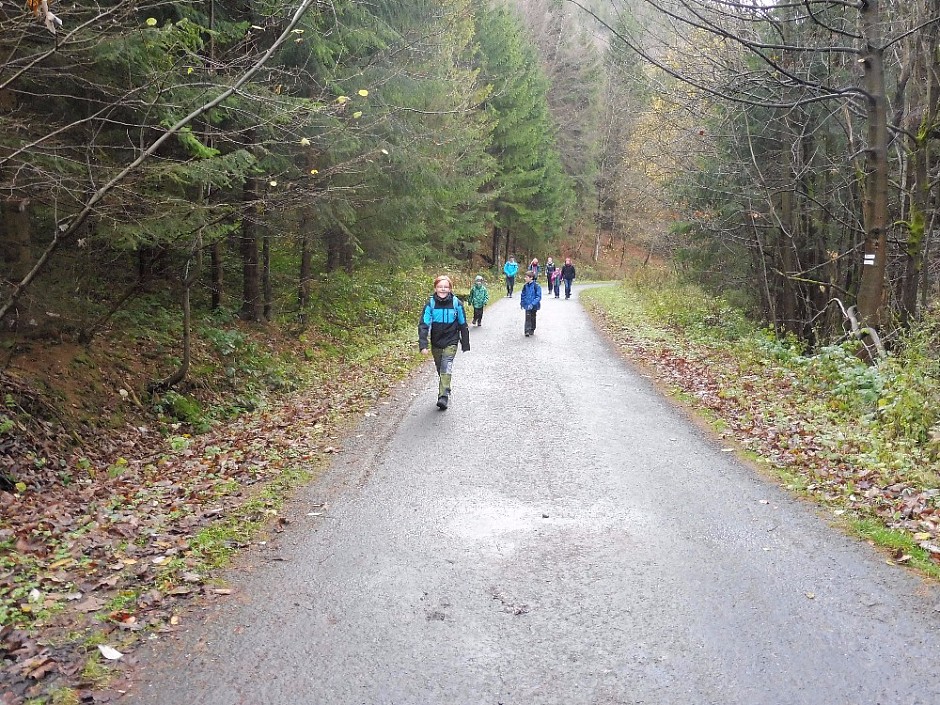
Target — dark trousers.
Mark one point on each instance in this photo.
(530, 321)
(477, 314)
(510, 283)
(567, 288)
(556, 285)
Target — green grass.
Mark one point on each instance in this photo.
(899, 543)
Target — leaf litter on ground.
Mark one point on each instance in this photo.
(89, 565)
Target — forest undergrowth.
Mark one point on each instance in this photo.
(862, 440)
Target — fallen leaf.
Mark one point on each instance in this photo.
(109, 652)
(90, 604)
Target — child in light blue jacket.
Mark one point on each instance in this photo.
(510, 269)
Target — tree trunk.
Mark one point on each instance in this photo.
(251, 280)
(333, 249)
(268, 292)
(216, 274)
(926, 74)
(189, 278)
(15, 252)
(875, 206)
(787, 293)
(306, 266)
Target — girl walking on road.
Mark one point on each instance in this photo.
(443, 324)
(555, 282)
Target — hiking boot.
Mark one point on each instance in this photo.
(442, 403)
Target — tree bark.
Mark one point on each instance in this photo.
(15, 239)
(926, 73)
(216, 274)
(306, 259)
(190, 275)
(251, 282)
(875, 206)
(268, 291)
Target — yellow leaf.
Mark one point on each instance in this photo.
(314, 171)
(304, 142)
(363, 92)
(151, 21)
(357, 114)
(342, 99)
(189, 70)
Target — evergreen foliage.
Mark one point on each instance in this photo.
(532, 196)
(394, 131)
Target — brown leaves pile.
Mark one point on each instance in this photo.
(111, 554)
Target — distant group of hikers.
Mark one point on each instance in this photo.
(443, 324)
(555, 275)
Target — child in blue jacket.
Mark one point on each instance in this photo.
(443, 324)
(510, 269)
(531, 301)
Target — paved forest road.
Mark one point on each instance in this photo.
(561, 535)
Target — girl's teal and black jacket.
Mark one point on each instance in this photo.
(447, 323)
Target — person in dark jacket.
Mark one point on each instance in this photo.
(549, 272)
(531, 301)
(443, 324)
(567, 274)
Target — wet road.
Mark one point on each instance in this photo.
(560, 535)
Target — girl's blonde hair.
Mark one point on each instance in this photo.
(438, 279)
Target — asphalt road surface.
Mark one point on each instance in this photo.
(560, 535)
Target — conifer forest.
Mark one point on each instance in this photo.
(236, 153)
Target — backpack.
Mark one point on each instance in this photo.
(458, 306)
